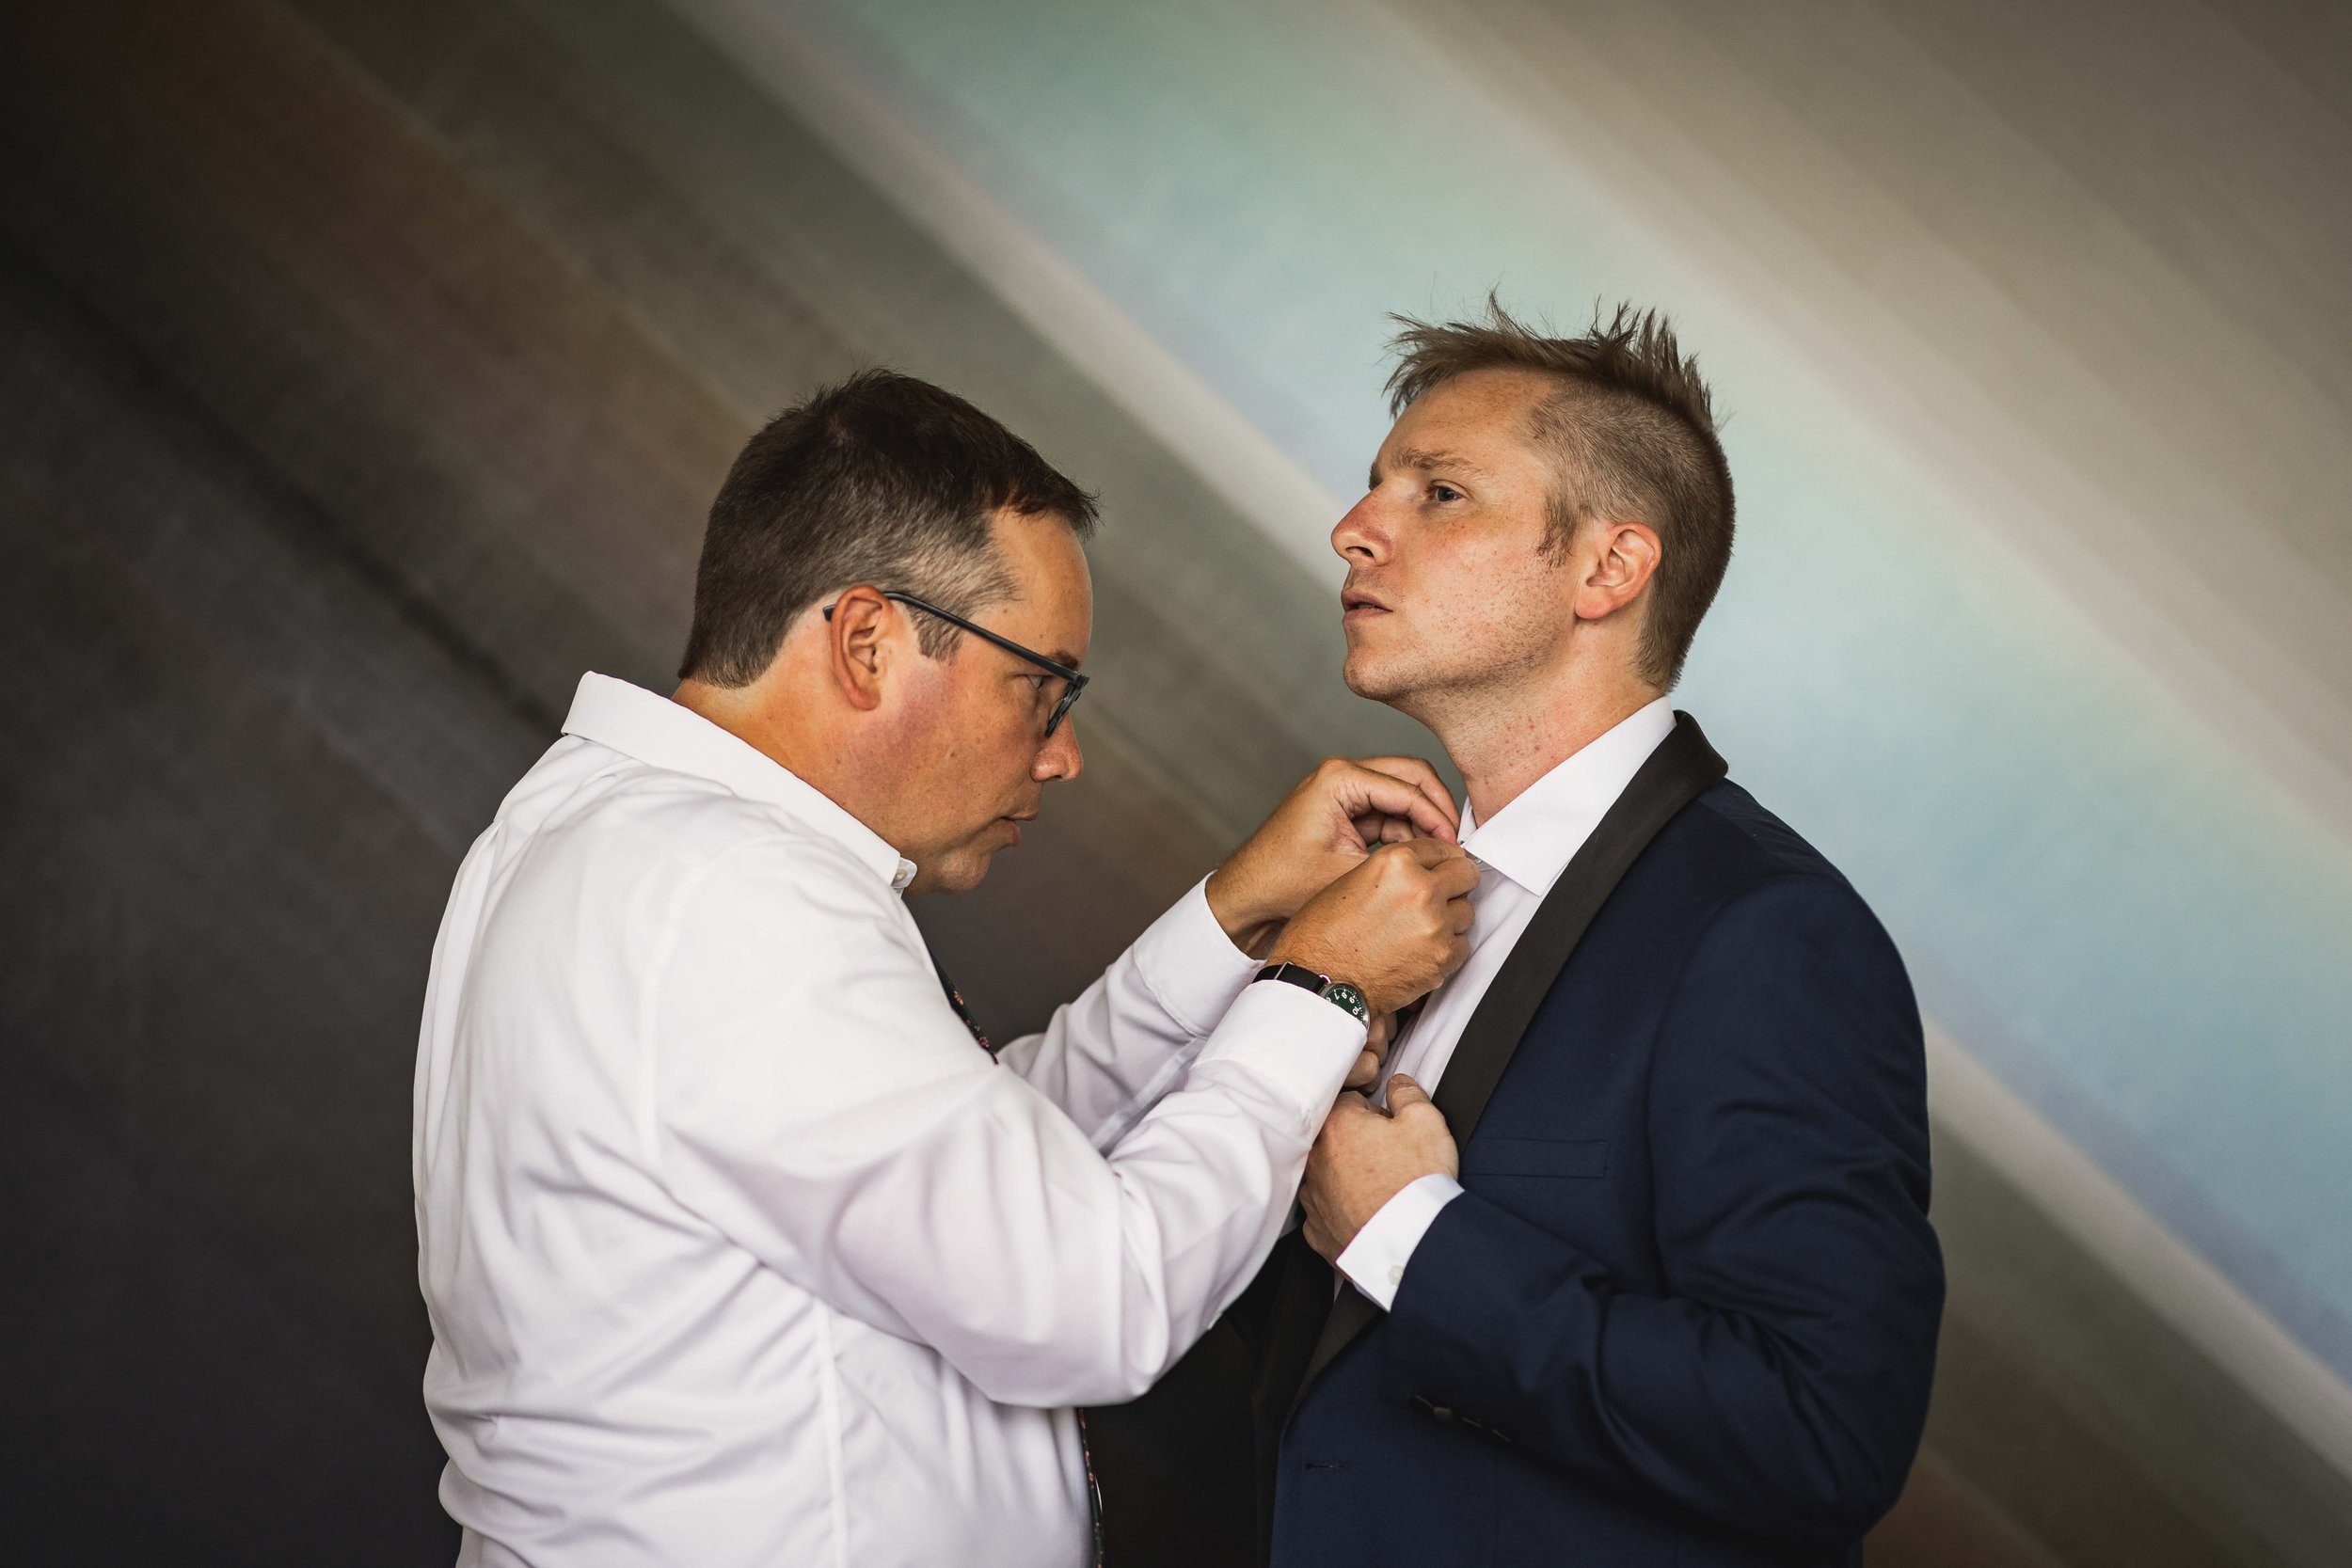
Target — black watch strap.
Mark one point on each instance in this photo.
(1295, 975)
(1337, 992)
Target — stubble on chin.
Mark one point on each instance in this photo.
(1365, 686)
(1379, 680)
(1421, 688)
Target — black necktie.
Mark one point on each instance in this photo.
(1086, 1449)
(955, 1000)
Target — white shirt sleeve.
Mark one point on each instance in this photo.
(1126, 1041)
(1374, 1261)
(805, 1089)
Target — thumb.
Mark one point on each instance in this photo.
(1403, 1095)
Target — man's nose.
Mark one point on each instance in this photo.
(1360, 537)
(1060, 758)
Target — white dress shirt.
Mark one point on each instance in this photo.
(1521, 854)
(737, 1250)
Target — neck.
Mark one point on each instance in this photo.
(795, 739)
(1503, 741)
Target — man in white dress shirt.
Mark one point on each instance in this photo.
(740, 1245)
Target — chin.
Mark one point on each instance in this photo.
(1379, 680)
(964, 868)
(962, 872)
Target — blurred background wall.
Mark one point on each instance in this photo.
(365, 369)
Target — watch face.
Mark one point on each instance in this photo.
(1349, 997)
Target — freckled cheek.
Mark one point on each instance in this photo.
(1009, 743)
(981, 727)
(1471, 607)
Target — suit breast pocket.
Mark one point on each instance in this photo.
(1565, 1159)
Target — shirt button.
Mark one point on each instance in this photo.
(1396, 1273)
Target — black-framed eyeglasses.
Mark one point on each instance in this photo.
(1074, 682)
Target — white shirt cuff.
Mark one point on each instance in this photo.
(1294, 1040)
(1190, 965)
(1374, 1261)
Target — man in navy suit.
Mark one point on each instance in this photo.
(1651, 1279)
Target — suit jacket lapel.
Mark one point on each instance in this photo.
(1681, 769)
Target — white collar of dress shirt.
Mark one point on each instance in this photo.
(656, 730)
(1532, 840)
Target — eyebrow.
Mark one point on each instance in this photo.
(1424, 459)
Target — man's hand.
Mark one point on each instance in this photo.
(1322, 830)
(1375, 1056)
(1392, 928)
(1364, 1156)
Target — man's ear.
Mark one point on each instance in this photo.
(858, 644)
(1624, 557)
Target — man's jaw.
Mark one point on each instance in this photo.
(964, 865)
(1370, 624)
(1369, 671)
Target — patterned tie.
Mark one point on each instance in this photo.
(1085, 1448)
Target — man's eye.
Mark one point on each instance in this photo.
(1442, 492)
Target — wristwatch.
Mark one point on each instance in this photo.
(1337, 992)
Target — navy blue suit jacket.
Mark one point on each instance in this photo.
(1685, 1311)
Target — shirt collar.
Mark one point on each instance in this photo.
(1532, 840)
(663, 733)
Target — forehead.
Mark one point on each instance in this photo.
(1057, 590)
(1041, 548)
(1481, 415)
